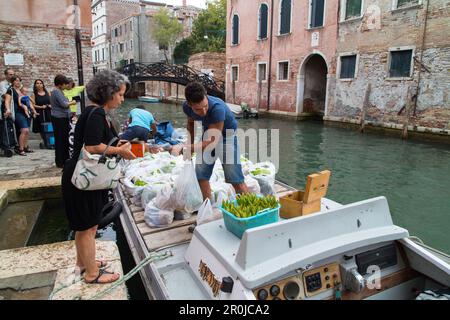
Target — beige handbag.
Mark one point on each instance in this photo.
(96, 172)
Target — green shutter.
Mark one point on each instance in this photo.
(263, 17)
(235, 29)
(405, 3)
(400, 63)
(285, 16)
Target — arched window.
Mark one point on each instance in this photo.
(263, 19)
(285, 16)
(235, 37)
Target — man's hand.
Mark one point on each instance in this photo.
(8, 113)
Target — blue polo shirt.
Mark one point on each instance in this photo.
(218, 111)
(141, 118)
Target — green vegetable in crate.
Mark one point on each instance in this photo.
(250, 205)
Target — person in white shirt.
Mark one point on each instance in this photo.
(5, 84)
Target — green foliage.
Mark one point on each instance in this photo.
(167, 29)
(211, 22)
(183, 51)
(249, 205)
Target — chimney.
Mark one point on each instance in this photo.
(184, 3)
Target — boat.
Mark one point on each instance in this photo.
(343, 252)
(149, 99)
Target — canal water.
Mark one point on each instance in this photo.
(412, 175)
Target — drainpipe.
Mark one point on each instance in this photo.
(424, 33)
(79, 51)
(269, 80)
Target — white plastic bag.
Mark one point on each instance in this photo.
(151, 191)
(207, 213)
(264, 173)
(186, 195)
(156, 217)
(252, 185)
(163, 199)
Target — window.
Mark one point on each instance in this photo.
(405, 3)
(285, 17)
(235, 35)
(348, 67)
(283, 70)
(120, 30)
(121, 47)
(263, 18)
(316, 13)
(103, 54)
(131, 44)
(116, 32)
(261, 72)
(234, 73)
(352, 9)
(126, 27)
(95, 54)
(131, 25)
(400, 65)
(103, 28)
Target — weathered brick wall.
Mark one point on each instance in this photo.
(209, 60)
(295, 47)
(47, 52)
(398, 28)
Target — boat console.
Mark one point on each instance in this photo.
(339, 254)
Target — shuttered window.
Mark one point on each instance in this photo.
(262, 72)
(400, 63)
(348, 67)
(235, 39)
(317, 11)
(406, 3)
(263, 18)
(234, 73)
(283, 70)
(285, 17)
(352, 9)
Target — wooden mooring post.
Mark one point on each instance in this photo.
(365, 106)
(409, 106)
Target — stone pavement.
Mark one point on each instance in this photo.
(40, 164)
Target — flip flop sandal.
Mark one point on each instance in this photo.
(21, 152)
(28, 150)
(103, 265)
(101, 272)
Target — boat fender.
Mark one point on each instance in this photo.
(110, 212)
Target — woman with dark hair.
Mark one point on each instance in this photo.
(83, 208)
(21, 120)
(41, 98)
(60, 119)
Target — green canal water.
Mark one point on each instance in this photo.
(414, 176)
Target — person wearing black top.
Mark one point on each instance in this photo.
(83, 208)
(41, 98)
(21, 120)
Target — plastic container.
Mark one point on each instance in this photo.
(237, 226)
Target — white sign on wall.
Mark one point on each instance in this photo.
(315, 39)
(13, 59)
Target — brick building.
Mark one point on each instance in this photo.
(325, 53)
(106, 13)
(42, 33)
(396, 46)
(291, 59)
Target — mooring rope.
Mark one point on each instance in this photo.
(132, 273)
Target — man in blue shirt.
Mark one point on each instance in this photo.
(141, 123)
(219, 140)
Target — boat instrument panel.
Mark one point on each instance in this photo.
(308, 284)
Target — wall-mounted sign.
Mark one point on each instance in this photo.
(13, 59)
(315, 39)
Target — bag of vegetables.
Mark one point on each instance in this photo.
(264, 173)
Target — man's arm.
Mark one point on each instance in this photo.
(210, 140)
(190, 128)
